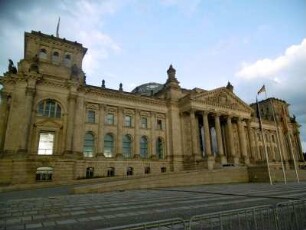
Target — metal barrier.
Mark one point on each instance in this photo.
(284, 216)
(175, 224)
(260, 217)
(291, 215)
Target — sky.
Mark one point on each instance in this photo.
(208, 42)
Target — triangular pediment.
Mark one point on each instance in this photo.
(222, 97)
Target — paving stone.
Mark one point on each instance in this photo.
(77, 213)
(14, 227)
(49, 223)
(83, 219)
(69, 221)
(38, 217)
(37, 225)
(96, 218)
(13, 221)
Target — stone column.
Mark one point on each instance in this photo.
(234, 158)
(194, 136)
(137, 137)
(78, 129)
(71, 116)
(4, 111)
(219, 140)
(209, 156)
(101, 133)
(251, 139)
(119, 132)
(153, 136)
(242, 141)
(30, 92)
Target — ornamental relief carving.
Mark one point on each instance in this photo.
(92, 106)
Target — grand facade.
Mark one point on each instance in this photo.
(55, 127)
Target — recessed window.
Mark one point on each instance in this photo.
(127, 121)
(44, 174)
(55, 57)
(110, 120)
(127, 146)
(163, 169)
(159, 124)
(91, 116)
(90, 172)
(129, 171)
(273, 139)
(159, 148)
(49, 108)
(147, 170)
(144, 122)
(88, 148)
(143, 147)
(43, 53)
(111, 172)
(108, 145)
(67, 60)
(46, 142)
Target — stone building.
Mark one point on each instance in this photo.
(55, 127)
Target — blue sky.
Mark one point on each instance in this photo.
(249, 42)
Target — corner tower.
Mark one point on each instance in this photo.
(52, 57)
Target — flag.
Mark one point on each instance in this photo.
(258, 114)
(57, 28)
(262, 89)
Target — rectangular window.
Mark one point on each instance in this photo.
(91, 116)
(159, 124)
(110, 119)
(46, 142)
(144, 122)
(127, 121)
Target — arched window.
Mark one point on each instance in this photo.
(143, 147)
(89, 142)
(43, 53)
(159, 148)
(49, 108)
(55, 57)
(67, 60)
(127, 146)
(108, 145)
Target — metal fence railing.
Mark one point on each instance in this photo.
(261, 217)
(283, 216)
(291, 215)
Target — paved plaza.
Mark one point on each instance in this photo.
(54, 208)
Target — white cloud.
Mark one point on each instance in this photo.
(284, 77)
(268, 68)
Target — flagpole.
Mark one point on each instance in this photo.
(293, 157)
(264, 142)
(278, 141)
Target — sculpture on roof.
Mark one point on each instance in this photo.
(11, 67)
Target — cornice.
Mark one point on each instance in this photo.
(123, 96)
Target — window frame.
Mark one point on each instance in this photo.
(86, 145)
(49, 108)
(91, 116)
(144, 122)
(127, 146)
(107, 144)
(127, 120)
(143, 147)
(41, 143)
(110, 119)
